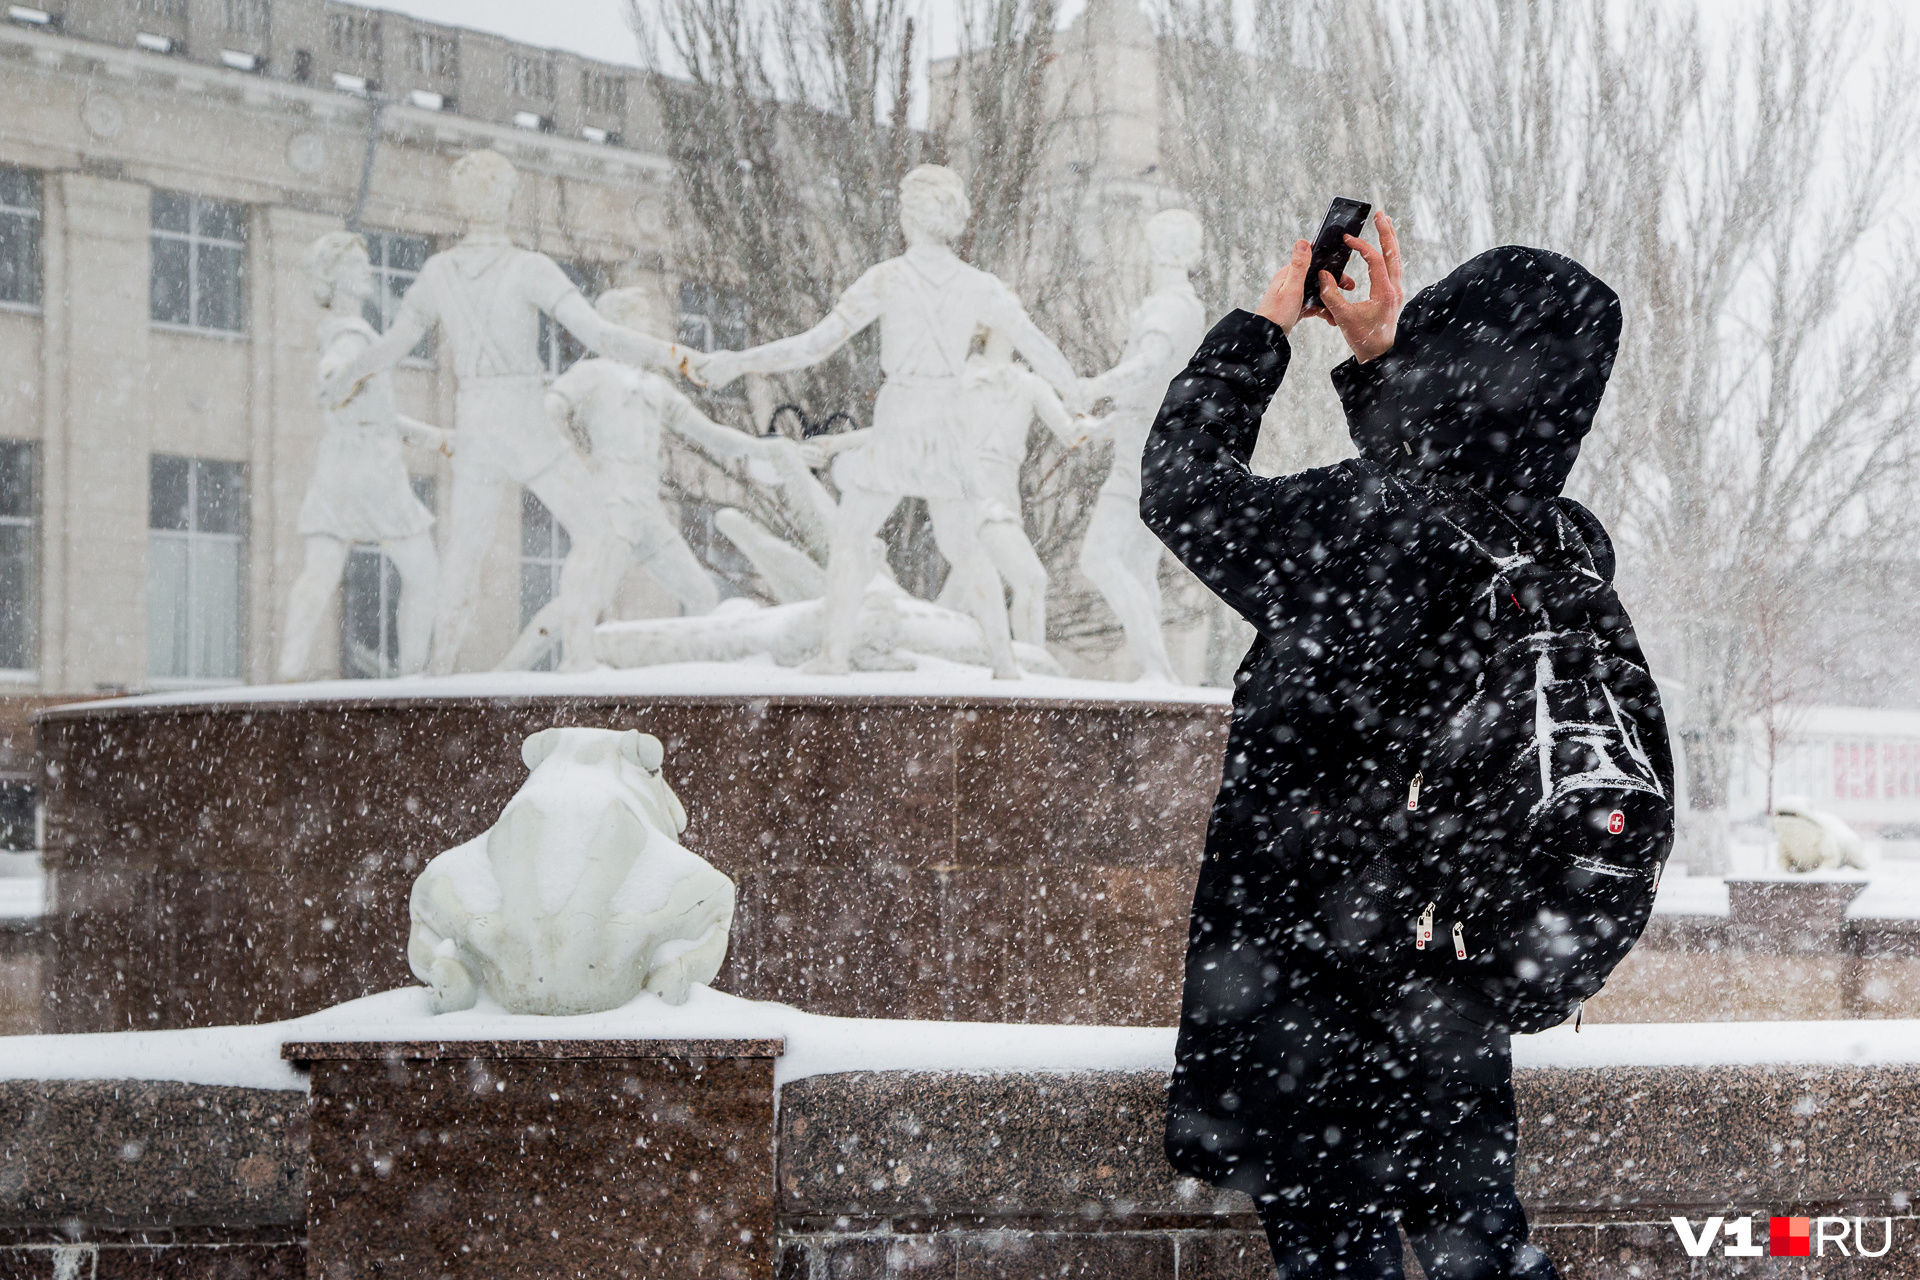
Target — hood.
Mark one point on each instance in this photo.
(1494, 376)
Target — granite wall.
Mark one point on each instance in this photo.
(991, 859)
(943, 1176)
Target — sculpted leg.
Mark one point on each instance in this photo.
(419, 569)
(849, 566)
(1122, 558)
(956, 529)
(674, 566)
(1020, 568)
(591, 572)
(473, 513)
(326, 561)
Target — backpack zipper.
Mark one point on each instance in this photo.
(1413, 791)
(1459, 941)
(1424, 934)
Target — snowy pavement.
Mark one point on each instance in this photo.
(249, 1057)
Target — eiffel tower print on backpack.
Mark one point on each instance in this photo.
(1538, 810)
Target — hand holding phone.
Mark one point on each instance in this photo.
(1331, 253)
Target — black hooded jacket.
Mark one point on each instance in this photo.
(1354, 588)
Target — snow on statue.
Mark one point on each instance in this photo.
(580, 896)
(621, 413)
(928, 303)
(359, 491)
(1121, 556)
(1003, 400)
(486, 297)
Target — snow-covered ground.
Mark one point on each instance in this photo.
(753, 678)
(249, 1057)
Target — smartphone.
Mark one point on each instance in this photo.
(1330, 252)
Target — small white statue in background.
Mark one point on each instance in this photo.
(486, 296)
(1813, 840)
(580, 896)
(928, 303)
(1121, 556)
(1003, 399)
(622, 414)
(359, 491)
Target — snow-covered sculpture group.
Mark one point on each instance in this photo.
(948, 426)
(580, 897)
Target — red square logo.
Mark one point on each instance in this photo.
(1790, 1237)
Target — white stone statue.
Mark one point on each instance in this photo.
(622, 414)
(1003, 399)
(928, 304)
(486, 297)
(359, 491)
(1121, 556)
(1812, 839)
(580, 896)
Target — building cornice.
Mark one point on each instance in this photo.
(400, 121)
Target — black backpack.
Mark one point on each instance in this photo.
(1538, 809)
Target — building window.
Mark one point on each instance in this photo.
(711, 318)
(354, 37)
(197, 525)
(543, 547)
(397, 260)
(19, 237)
(604, 93)
(370, 612)
(19, 815)
(19, 559)
(435, 55)
(558, 348)
(248, 18)
(199, 263)
(530, 76)
(175, 10)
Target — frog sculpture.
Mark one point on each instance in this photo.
(581, 896)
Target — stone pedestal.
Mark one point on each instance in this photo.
(976, 858)
(549, 1159)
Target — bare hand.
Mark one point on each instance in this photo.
(1368, 323)
(1287, 289)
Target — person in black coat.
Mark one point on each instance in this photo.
(1347, 1104)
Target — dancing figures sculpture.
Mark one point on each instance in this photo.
(1121, 556)
(928, 304)
(359, 491)
(486, 297)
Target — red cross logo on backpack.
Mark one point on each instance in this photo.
(1616, 823)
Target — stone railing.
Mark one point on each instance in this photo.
(865, 1174)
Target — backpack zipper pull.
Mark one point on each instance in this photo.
(1425, 934)
(1578, 1011)
(1459, 941)
(1413, 791)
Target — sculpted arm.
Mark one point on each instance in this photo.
(1131, 374)
(682, 418)
(603, 337)
(1047, 408)
(857, 308)
(1038, 349)
(339, 384)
